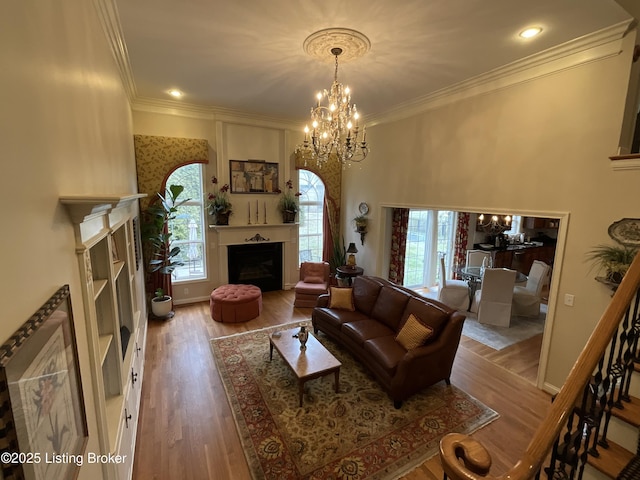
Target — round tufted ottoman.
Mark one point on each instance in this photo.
(235, 303)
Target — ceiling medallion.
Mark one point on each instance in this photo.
(352, 43)
(335, 128)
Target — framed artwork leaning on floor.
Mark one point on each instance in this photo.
(43, 432)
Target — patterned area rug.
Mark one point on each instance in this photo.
(353, 435)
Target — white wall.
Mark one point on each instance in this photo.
(537, 146)
(65, 128)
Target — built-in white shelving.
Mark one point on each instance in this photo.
(114, 306)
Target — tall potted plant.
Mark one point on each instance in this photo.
(162, 256)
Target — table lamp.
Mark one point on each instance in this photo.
(351, 259)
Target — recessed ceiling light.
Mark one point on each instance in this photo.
(530, 32)
(175, 93)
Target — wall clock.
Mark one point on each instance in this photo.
(363, 208)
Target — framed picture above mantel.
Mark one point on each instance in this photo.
(253, 176)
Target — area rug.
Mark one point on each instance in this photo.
(355, 434)
(522, 328)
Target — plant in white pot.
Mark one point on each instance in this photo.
(161, 304)
(162, 256)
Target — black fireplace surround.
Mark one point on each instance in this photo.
(258, 264)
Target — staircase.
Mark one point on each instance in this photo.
(592, 429)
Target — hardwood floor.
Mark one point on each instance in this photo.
(186, 429)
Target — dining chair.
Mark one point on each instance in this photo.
(453, 293)
(494, 299)
(475, 257)
(526, 299)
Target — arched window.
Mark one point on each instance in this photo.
(311, 217)
(187, 229)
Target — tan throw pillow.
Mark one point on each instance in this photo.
(414, 333)
(342, 298)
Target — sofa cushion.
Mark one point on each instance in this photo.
(365, 293)
(335, 318)
(313, 279)
(387, 351)
(430, 313)
(310, 288)
(389, 307)
(414, 333)
(341, 298)
(362, 330)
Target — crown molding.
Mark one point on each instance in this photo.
(110, 21)
(173, 107)
(595, 46)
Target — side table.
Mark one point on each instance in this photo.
(348, 273)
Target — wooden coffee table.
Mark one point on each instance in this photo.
(313, 362)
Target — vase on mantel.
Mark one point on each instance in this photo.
(288, 216)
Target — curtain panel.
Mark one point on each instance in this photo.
(461, 241)
(399, 228)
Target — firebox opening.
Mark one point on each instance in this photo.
(256, 264)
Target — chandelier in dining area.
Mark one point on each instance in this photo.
(336, 127)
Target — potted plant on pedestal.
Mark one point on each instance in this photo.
(361, 222)
(162, 256)
(219, 203)
(614, 260)
(288, 203)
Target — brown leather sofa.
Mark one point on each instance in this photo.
(369, 334)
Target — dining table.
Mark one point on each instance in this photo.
(473, 277)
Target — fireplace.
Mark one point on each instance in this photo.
(256, 264)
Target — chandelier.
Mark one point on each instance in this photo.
(335, 123)
(495, 224)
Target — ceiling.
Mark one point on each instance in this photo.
(247, 55)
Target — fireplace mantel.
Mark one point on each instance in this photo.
(225, 235)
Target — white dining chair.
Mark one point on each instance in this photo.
(526, 299)
(475, 257)
(453, 293)
(495, 297)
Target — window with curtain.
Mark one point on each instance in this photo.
(310, 230)
(187, 229)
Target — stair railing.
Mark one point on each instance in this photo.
(464, 458)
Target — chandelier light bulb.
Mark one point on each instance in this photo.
(349, 125)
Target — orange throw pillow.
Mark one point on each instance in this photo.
(341, 298)
(414, 333)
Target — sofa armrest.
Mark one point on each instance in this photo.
(323, 300)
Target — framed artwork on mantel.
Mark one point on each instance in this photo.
(43, 427)
(253, 176)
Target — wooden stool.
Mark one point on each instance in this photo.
(235, 303)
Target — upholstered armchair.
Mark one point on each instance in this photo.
(314, 281)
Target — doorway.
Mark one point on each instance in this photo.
(526, 358)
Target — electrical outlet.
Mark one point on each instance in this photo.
(186, 291)
(568, 299)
